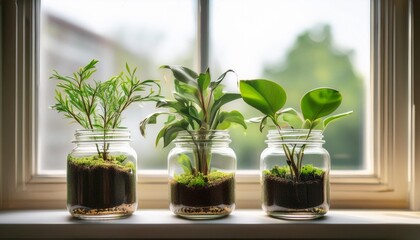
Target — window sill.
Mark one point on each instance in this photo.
(252, 224)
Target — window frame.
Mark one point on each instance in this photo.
(22, 187)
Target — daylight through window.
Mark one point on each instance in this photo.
(301, 44)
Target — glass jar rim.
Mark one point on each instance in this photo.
(197, 136)
(117, 135)
(296, 136)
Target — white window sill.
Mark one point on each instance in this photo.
(242, 224)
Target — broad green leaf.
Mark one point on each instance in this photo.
(218, 92)
(227, 97)
(182, 99)
(204, 80)
(291, 117)
(264, 95)
(226, 118)
(316, 122)
(320, 102)
(175, 105)
(185, 163)
(186, 91)
(169, 132)
(330, 119)
(183, 74)
(193, 113)
(307, 124)
(170, 119)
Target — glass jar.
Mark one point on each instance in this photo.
(202, 175)
(101, 175)
(295, 174)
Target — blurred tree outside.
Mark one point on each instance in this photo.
(312, 62)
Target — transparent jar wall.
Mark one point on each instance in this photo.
(196, 191)
(98, 188)
(289, 197)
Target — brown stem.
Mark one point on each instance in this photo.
(289, 156)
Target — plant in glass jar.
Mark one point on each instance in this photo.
(101, 170)
(295, 167)
(201, 166)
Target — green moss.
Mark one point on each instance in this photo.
(311, 170)
(130, 165)
(200, 180)
(97, 161)
(307, 172)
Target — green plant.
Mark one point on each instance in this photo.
(196, 109)
(269, 98)
(100, 105)
(308, 172)
(201, 180)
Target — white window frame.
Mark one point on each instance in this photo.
(392, 103)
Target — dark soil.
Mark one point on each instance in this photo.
(286, 193)
(99, 187)
(220, 193)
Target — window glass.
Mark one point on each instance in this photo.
(301, 44)
(143, 33)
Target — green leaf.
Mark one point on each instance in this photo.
(316, 122)
(204, 80)
(307, 124)
(175, 105)
(218, 92)
(227, 97)
(194, 115)
(187, 92)
(169, 132)
(170, 119)
(256, 119)
(185, 163)
(226, 118)
(183, 74)
(320, 102)
(261, 120)
(219, 80)
(263, 123)
(330, 119)
(264, 95)
(290, 117)
(151, 119)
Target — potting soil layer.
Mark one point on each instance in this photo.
(100, 189)
(286, 193)
(217, 194)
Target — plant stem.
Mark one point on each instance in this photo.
(202, 157)
(295, 171)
